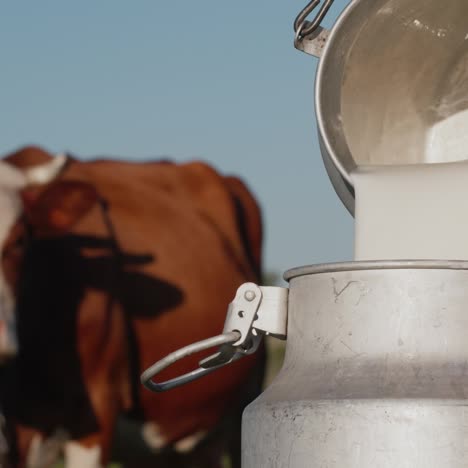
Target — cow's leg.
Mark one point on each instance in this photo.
(36, 451)
(4, 443)
(84, 454)
(102, 348)
(93, 451)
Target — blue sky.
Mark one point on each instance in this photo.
(214, 80)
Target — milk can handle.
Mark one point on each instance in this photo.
(255, 311)
(304, 28)
(151, 372)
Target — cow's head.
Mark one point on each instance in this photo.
(32, 198)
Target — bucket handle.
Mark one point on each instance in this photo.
(304, 28)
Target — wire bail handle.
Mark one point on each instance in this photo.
(304, 28)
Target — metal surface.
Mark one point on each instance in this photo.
(309, 36)
(272, 316)
(304, 28)
(254, 312)
(314, 43)
(390, 71)
(241, 314)
(375, 372)
(242, 311)
(376, 265)
(149, 374)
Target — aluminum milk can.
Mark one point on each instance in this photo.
(375, 373)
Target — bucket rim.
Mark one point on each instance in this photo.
(375, 265)
(319, 98)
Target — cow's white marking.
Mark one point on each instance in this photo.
(77, 456)
(155, 440)
(12, 181)
(45, 452)
(33, 458)
(187, 444)
(153, 436)
(47, 172)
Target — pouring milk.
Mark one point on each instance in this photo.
(417, 212)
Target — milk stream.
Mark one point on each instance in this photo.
(447, 140)
(416, 212)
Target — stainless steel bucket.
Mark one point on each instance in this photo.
(390, 70)
(375, 373)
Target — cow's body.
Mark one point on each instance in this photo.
(149, 266)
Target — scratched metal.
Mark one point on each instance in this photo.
(375, 373)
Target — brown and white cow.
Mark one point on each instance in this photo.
(107, 266)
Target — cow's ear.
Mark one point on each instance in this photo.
(58, 207)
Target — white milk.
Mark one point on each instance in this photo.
(412, 212)
(418, 211)
(447, 140)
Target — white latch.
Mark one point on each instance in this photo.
(255, 311)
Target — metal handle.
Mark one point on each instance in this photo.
(246, 324)
(304, 28)
(151, 372)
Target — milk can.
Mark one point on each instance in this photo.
(376, 367)
(375, 373)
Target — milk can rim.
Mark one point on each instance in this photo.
(376, 265)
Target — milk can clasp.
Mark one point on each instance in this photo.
(256, 311)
